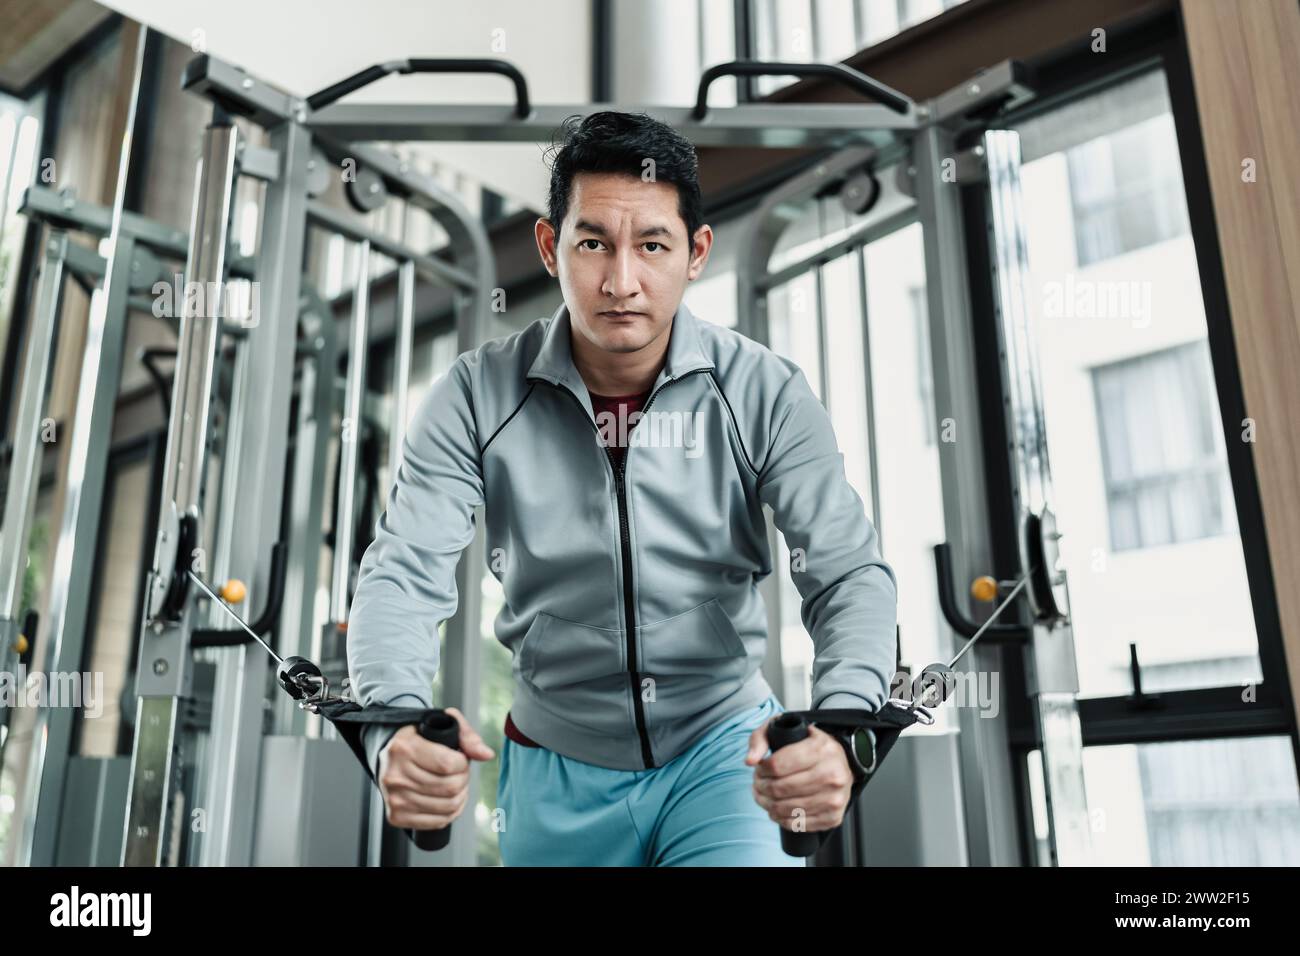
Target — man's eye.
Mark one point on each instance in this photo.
(596, 241)
(654, 244)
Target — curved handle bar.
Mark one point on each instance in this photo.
(958, 621)
(860, 82)
(221, 637)
(444, 65)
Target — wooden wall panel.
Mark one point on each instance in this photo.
(1243, 61)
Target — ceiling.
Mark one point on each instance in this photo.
(38, 32)
(302, 46)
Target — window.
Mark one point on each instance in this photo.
(717, 44)
(1130, 403)
(1229, 802)
(830, 31)
(1125, 190)
(1165, 470)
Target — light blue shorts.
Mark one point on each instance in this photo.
(696, 810)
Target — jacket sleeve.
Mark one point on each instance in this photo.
(406, 585)
(850, 602)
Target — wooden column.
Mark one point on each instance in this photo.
(1243, 68)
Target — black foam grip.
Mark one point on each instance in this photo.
(440, 728)
(783, 730)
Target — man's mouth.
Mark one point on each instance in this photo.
(621, 315)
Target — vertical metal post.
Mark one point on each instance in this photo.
(823, 335)
(306, 505)
(350, 438)
(25, 468)
(256, 495)
(164, 669)
(74, 555)
(402, 365)
(991, 836)
(1053, 674)
(868, 385)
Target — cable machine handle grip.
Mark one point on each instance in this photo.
(785, 729)
(440, 728)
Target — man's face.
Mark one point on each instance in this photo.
(622, 258)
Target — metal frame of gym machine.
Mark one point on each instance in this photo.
(262, 441)
(252, 466)
(143, 247)
(875, 133)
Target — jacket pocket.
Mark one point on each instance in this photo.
(557, 654)
(699, 641)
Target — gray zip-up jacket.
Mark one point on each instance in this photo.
(632, 608)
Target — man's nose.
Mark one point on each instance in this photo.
(622, 281)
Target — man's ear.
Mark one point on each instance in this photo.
(700, 247)
(545, 234)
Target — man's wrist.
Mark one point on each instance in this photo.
(375, 737)
(384, 739)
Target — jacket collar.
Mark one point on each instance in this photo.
(554, 361)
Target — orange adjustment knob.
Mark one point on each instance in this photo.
(233, 591)
(984, 588)
(21, 645)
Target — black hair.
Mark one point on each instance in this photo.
(613, 142)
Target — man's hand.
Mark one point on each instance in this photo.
(809, 780)
(425, 785)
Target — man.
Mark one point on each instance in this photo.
(623, 451)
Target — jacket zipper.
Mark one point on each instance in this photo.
(625, 548)
(626, 552)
